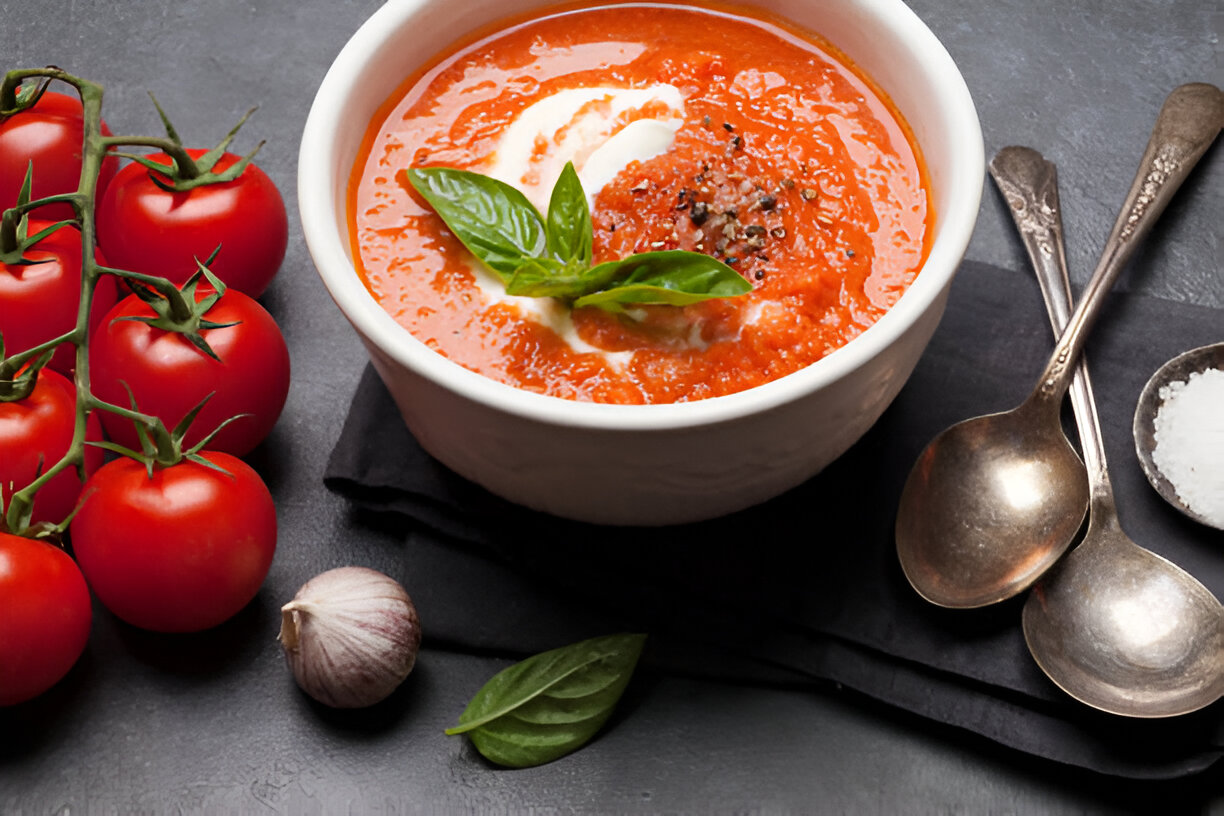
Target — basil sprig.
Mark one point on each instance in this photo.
(550, 256)
(551, 704)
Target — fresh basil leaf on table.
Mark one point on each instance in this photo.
(551, 704)
(552, 257)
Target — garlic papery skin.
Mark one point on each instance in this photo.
(351, 636)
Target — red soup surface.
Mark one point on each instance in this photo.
(691, 128)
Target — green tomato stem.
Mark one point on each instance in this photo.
(187, 167)
(93, 151)
(8, 231)
(13, 79)
(180, 310)
(14, 363)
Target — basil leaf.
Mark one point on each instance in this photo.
(673, 277)
(550, 704)
(552, 258)
(540, 278)
(570, 234)
(494, 220)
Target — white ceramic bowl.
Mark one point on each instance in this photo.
(651, 464)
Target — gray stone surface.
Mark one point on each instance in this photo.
(214, 724)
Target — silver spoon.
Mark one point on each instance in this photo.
(994, 502)
(1114, 625)
(1150, 401)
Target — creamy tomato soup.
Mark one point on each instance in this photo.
(691, 128)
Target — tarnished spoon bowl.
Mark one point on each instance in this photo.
(1150, 401)
(1124, 630)
(990, 505)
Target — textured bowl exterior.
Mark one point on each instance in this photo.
(654, 464)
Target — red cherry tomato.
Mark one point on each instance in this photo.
(168, 376)
(144, 228)
(182, 551)
(35, 433)
(50, 134)
(44, 617)
(39, 301)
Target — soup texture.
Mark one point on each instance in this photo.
(693, 128)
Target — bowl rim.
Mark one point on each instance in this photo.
(320, 217)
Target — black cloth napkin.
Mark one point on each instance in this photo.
(806, 588)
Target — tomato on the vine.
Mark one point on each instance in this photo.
(35, 433)
(39, 301)
(45, 616)
(179, 551)
(145, 228)
(49, 133)
(168, 376)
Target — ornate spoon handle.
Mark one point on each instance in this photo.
(1029, 183)
(1188, 123)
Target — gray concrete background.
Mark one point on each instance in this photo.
(213, 725)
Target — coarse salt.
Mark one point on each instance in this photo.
(1190, 442)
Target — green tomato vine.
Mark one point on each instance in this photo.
(19, 91)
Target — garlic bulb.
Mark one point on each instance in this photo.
(351, 636)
